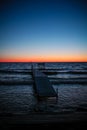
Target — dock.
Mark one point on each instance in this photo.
(43, 86)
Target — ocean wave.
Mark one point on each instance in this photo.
(52, 80)
(25, 71)
(15, 82)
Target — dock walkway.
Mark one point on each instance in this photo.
(43, 86)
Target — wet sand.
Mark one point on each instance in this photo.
(71, 121)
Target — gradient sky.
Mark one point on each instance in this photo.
(43, 30)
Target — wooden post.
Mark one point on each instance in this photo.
(57, 94)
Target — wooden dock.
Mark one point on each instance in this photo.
(43, 86)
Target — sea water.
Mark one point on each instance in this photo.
(17, 94)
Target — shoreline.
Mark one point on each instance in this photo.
(44, 120)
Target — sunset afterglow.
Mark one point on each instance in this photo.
(49, 31)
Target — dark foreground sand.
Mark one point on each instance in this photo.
(71, 121)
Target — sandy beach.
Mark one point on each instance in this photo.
(70, 121)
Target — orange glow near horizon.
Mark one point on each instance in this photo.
(45, 59)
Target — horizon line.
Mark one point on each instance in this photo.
(39, 61)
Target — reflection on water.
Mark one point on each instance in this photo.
(21, 99)
(16, 99)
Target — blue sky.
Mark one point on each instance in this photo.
(43, 29)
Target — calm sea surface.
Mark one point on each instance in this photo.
(17, 94)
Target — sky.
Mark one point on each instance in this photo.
(43, 30)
